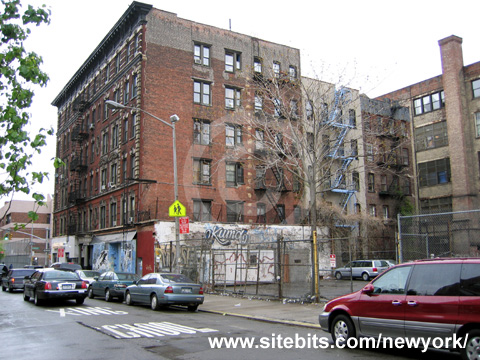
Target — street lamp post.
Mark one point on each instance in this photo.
(173, 119)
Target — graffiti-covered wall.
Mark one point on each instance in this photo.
(114, 256)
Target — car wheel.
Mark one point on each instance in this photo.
(365, 277)
(26, 297)
(338, 275)
(4, 288)
(154, 302)
(193, 308)
(128, 298)
(108, 297)
(472, 347)
(342, 328)
(90, 293)
(10, 289)
(80, 301)
(36, 300)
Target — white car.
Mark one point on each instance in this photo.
(88, 275)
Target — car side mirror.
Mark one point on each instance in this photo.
(368, 289)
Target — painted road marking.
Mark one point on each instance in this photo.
(87, 310)
(150, 330)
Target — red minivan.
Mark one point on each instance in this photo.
(421, 299)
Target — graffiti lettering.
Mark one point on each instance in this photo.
(225, 237)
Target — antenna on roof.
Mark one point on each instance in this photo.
(230, 24)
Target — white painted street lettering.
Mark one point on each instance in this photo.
(84, 310)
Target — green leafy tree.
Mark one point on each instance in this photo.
(20, 74)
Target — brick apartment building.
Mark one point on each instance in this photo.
(445, 113)
(25, 245)
(113, 195)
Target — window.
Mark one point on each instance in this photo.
(292, 72)
(261, 213)
(113, 174)
(202, 210)
(134, 125)
(233, 135)
(201, 92)
(434, 172)
(356, 180)
(105, 110)
(432, 136)
(201, 54)
(125, 130)
(132, 166)
(201, 132)
(134, 85)
(232, 98)
(234, 174)
(383, 183)
(371, 182)
(107, 73)
(309, 109)
(435, 280)
(234, 211)
(277, 103)
(113, 214)
(369, 152)
(257, 65)
(127, 53)
(352, 118)
(372, 210)
(406, 187)
(117, 64)
(405, 158)
(385, 212)
(114, 136)
(276, 69)
(354, 148)
(258, 103)
(233, 61)
(437, 205)
(281, 213)
(477, 124)
(429, 103)
(476, 88)
(201, 171)
(103, 179)
(259, 140)
(393, 282)
(124, 170)
(126, 93)
(104, 143)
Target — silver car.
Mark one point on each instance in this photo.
(364, 269)
(164, 289)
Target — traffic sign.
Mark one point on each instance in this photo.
(333, 261)
(184, 227)
(177, 209)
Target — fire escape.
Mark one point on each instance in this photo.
(78, 164)
(273, 190)
(335, 121)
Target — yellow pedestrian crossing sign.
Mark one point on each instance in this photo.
(177, 209)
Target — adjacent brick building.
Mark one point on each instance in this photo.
(445, 113)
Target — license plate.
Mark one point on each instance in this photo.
(67, 286)
(186, 290)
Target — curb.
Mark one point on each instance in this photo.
(264, 319)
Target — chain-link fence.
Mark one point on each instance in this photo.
(453, 234)
(17, 253)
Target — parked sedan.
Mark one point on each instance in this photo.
(364, 269)
(14, 279)
(111, 285)
(51, 284)
(158, 289)
(88, 275)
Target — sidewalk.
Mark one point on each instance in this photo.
(274, 310)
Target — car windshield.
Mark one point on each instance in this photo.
(175, 278)
(90, 273)
(60, 275)
(22, 272)
(132, 277)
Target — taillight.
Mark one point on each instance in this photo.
(12, 280)
(375, 269)
(200, 291)
(84, 285)
(168, 290)
(48, 286)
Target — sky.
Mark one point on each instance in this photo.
(376, 46)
